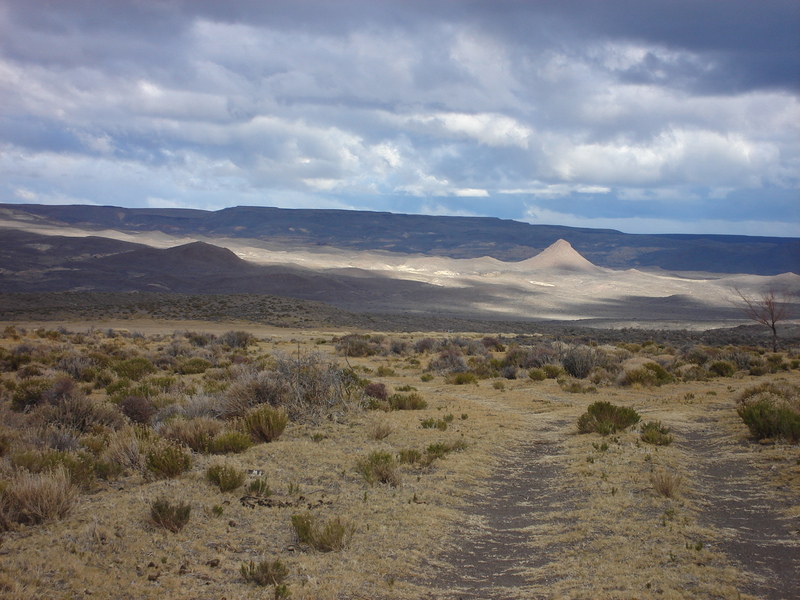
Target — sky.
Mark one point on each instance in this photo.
(646, 116)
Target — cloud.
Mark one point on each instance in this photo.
(484, 106)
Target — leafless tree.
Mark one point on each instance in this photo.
(768, 308)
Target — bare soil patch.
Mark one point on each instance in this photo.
(489, 550)
(737, 500)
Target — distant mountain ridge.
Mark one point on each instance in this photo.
(454, 237)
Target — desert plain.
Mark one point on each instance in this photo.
(485, 486)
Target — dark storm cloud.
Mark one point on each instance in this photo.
(644, 114)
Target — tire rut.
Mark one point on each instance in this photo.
(763, 543)
(491, 547)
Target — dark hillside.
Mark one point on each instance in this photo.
(456, 237)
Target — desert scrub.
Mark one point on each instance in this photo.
(771, 410)
(259, 487)
(379, 467)
(412, 401)
(230, 442)
(134, 368)
(172, 517)
(462, 378)
(165, 460)
(196, 434)
(646, 375)
(604, 418)
(265, 423)
(432, 423)
(225, 477)
(33, 498)
(667, 484)
(265, 573)
(334, 534)
(722, 368)
(653, 432)
(537, 374)
(572, 386)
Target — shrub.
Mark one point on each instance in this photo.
(226, 477)
(230, 442)
(193, 366)
(439, 424)
(410, 456)
(236, 339)
(771, 410)
(259, 487)
(578, 362)
(653, 432)
(134, 368)
(30, 392)
(172, 517)
(264, 423)
(552, 371)
(82, 414)
(604, 418)
(33, 498)
(537, 374)
(380, 430)
(462, 378)
(576, 387)
(648, 374)
(356, 345)
(722, 368)
(450, 360)
(251, 389)
(379, 467)
(166, 460)
(412, 401)
(265, 573)
(197, 434)
(79, 466)
(334, 534)
(665, 483)
(377, 390)
(138, 409)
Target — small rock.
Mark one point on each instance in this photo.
(154, 576)
(214, 562)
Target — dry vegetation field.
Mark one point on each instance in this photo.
(253, 463)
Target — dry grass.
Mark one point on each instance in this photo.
(622, 535)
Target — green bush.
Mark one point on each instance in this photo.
(772, 410)
(225, 477)
(604, 418)
(197, 434)
(653, 432)
(166, 460)
(30, 392)
(264, 423)
(722, 368)
(412, 401)
(647, 375)
(334, 534)
(537, 374)
(259, 487)
(172, 517)
(134, 368)
(230, 442)
(552, 371)
(265, 573)
(461, 378)
(439, 424)
(379, 467)
(193, 366)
